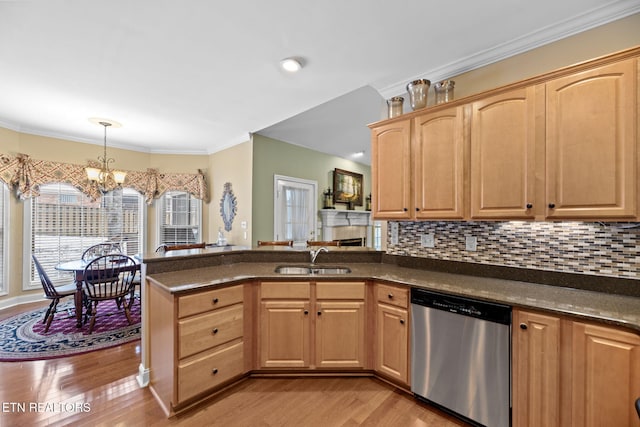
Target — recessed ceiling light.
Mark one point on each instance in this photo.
(291, 65)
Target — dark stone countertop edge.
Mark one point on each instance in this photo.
(188, 259)
(586, 282)
(614, 309)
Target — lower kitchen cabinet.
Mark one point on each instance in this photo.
(284, 324)
(340, 325)
(197, 343)
(284, 333)
(312, 325)
(392, 332)
(536, 369)
(605, 376)
(573, 373)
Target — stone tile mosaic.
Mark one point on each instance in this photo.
(605, 249)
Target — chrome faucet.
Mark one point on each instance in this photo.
(314, 254)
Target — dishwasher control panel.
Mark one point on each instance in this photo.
(485, 310)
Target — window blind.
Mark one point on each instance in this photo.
(64, 222)
(179, 218)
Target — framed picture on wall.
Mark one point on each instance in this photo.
(347, 187)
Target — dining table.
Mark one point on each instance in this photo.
(77, 266)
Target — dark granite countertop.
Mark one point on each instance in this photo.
(609, 308)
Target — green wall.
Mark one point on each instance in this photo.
(272, 157)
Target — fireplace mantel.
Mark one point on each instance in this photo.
(332, 218)
(342, 218)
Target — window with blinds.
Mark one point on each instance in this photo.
(62, 222)
(179, 216)
(4, 238)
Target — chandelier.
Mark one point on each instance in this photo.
(105, 178)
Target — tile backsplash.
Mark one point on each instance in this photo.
(604, 249)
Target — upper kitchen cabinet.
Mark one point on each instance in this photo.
(503, 142)
(591, 143)
(418, 167)
(391, 171)
(562, 145)
(438, 170)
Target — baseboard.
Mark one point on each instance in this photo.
(143, 376)
(19, 300)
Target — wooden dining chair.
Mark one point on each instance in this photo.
(54, 293)
(323, 243)
(167, 248)
(275, 242)
(101, 249)
(109, 277)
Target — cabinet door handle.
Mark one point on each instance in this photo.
(390, 296)
(306, 312)
(319, 313)
(552, 205)
(529, 205)
(215, 300)
(417, 209)
(402, 321)
(523, 326)
(215, 331)
(405, 209)
(215, 371)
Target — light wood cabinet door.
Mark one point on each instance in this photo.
(536, 369)
(392, 342)
(340, 340)
(591, 142)
(392, 295)
(503, 141)
(206, 301)
(605, 376)
(208, 370)
(284, 334)
(438, 153)
(391, 171)
(199, 333)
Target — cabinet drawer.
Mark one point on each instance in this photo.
(208, 330)
(204, 301)
(340, 290)
(393, 295)
(285, 290)
(204, 373)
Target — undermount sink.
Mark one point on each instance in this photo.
(289, 269)
(330, 270)
(311, 269)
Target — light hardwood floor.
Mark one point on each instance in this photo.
(100, 389)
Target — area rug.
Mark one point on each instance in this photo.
(22, 337)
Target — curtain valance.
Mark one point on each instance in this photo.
(26, 175)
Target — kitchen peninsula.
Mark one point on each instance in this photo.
(215, 316)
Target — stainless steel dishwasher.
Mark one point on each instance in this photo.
(461, 356)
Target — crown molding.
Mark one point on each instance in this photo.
(112, 144)
(577, 24)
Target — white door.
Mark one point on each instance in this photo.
(295, 209)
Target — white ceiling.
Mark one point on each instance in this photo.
(197, 76)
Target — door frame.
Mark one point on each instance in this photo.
(314, 202)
